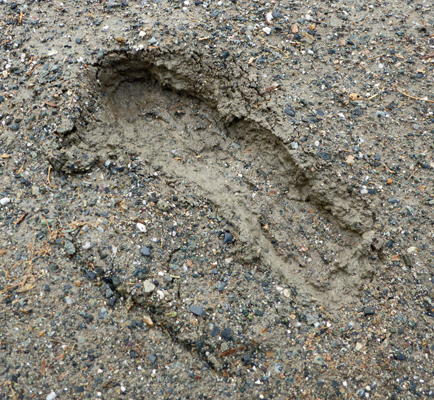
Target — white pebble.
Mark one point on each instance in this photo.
(141, 227)
(52, 395)
(5, 200)
(412, 250)
(267, 30)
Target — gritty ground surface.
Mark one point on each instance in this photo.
(216, 199)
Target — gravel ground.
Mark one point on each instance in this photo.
(216, 199)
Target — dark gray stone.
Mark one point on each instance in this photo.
(197, 310)
(228, 239)
(152, 358)
(369, 311)
(226, 334)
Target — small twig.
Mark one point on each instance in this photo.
(411, 176)
(373, 58)
(5, 156)
(47, 103)
(367, 70)
(274, 47)
(374, 95)
(22, 283)
(345, 151)
(387, 362)
(21, 219)
(264, 43)
(14, 396)
(31, 71)
(231, 351)
(389, 170)
(72, 98)
(48, 225)
(48, 177)
(412, 97)
(20, 171)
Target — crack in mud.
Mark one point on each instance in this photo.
(160, 312)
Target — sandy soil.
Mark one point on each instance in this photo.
(210, 200)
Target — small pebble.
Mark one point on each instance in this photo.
(227, 334)
(51, 396)
(148, 286)
(152, 358)
(319, 360)
(69, 247)
(145, 251)
(228, 238)
(141, 227)
(369, 311)
(197, 310)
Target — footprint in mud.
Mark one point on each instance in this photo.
(297, 225)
